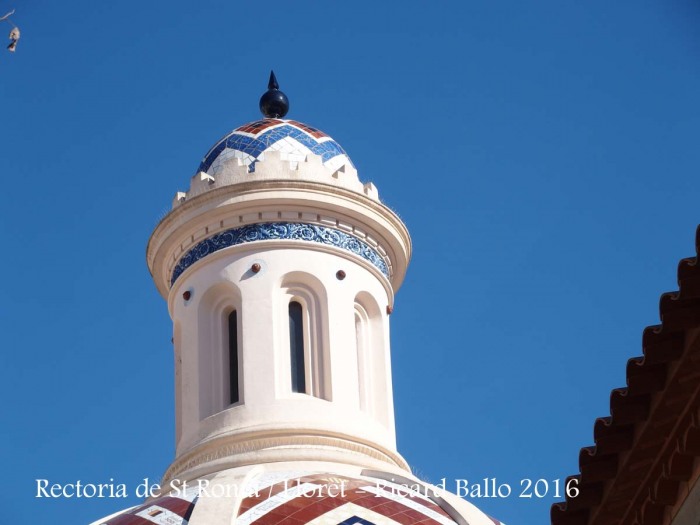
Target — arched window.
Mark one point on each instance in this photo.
(220, 357)
(304, 339)
(373, 359)
(234, 396)
(363, 364)
(296, 347)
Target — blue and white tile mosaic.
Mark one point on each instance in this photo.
(283, 231)
(293, 139)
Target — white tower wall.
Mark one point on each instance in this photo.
(268, 409)
(315, 236)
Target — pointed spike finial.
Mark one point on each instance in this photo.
(272, 84)
(274, 103)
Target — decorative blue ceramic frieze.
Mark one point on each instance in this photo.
(279, 231)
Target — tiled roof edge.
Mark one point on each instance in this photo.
(615, 435)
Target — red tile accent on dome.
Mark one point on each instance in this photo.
(173, 509)
(279, 501)
(384, 507)
(259, 125)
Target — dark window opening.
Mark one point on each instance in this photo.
(233, 356)
(296, 346)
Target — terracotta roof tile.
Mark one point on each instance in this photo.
(645, 451)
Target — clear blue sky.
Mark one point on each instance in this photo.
(544, 156)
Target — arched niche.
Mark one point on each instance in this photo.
(303, 307)
(219, 352)
(372, 358)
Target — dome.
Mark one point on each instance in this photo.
(294, 141)
(304, 497)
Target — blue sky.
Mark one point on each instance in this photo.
(544, 156)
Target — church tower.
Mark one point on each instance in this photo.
(279, 267)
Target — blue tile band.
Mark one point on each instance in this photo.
(279, 231)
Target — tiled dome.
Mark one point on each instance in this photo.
(303, 498)
(294, 140)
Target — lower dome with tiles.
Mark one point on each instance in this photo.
(268, 496)
(248, 144)
(276, 149)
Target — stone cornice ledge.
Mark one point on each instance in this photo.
(242, 195)
(236, 451)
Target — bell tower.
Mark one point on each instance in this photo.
(279, 268)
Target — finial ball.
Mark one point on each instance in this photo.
(274, 103)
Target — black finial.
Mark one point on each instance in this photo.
(272, 83)
(274, 103)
